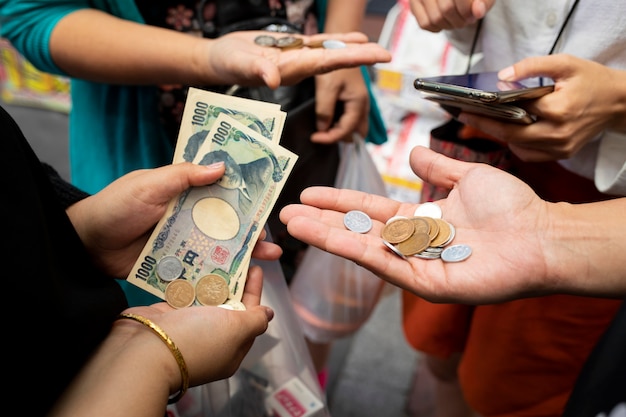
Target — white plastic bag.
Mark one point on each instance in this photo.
(276, 378)
(333, 296)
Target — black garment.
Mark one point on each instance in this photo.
(601, 386)
(58, 307)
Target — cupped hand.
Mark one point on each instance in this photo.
(115, 223)
(212, 340)
(494, 213)
(437, 15)
(588, 98)
(235, 58)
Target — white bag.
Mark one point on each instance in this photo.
(334, 296)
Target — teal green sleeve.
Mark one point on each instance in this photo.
(27, 24)
(377, 132)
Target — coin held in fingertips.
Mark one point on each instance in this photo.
(169, 268)
(180, 293)
(289, 42)
(357, 221)
(211, 290)
(456, 253)
(265, 40)
(333, 44)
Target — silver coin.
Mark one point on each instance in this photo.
(333, 44)
(456, 253)
(169, 268)
(429, 210)
(265, 40)
(357, 221)
(394, 249)
(427, 255)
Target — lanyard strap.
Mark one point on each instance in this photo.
(554, 44)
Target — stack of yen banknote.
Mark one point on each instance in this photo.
(210, 231)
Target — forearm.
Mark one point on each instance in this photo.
(132, 373)
(345, 16)
(585, 248)
(96, 46)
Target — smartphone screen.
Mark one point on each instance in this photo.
(484, 87)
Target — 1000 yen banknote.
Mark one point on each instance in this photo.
(202, 109)
(213, 229)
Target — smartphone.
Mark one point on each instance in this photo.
(483, 87)
(505, 112)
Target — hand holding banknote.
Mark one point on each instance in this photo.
(209, 232)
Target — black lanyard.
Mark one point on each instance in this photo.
(554, 44)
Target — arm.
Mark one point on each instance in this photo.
(134, 373)
(345, 85)
(81, 46)
(522, 246)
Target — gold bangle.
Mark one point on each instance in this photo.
(184, 373)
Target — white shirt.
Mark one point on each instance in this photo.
(596, 31)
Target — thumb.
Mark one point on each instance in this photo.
(553, 66)
(437, 169)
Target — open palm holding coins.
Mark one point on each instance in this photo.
(294, 42)
(425, 235)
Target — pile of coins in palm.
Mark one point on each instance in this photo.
(210, 290)
(425, 235)
(294, 42)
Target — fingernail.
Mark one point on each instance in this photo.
(269, 313)
(481, 10)
(215, 165)
(507, 74)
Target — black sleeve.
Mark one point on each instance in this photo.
(66, 192)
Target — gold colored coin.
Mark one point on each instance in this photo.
(179, 293)
(415, 244)
(421, 225)
(211, 290)
(315, 44)
(289, 42)
(398, 230)
(444, 233)
(434, 227)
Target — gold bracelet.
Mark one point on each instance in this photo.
(184, 373)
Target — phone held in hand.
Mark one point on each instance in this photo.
(484, 93)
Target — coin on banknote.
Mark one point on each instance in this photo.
(357, 221)
(456, 253)
(398, 230)
(211, 290)
(289, 42)
(265, 40)
(169, 268)
(180, 293)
